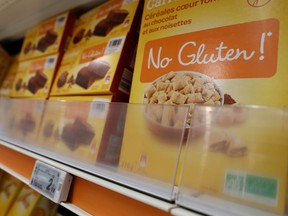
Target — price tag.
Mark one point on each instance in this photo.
(50, 181)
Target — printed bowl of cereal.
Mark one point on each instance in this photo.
(178, 88)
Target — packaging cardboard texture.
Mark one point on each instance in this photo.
(34, 77)
(48, 37)
(101, 64)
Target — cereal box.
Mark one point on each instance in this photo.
(48, 37)
(9, 188)
(34, 77)
(234, 48)
(8, 80)
(104, 66)
(107, 21)
(205, 52)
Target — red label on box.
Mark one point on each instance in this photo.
(92, 53)
(247, 50)
(37, 66)
(48, 26)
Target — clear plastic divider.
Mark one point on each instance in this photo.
(236, 161)
(135, 145)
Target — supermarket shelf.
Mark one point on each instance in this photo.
(141, 193)
(96, 186)
(25, 180)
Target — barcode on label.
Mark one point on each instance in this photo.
(99, 108)
(60, 21)
(114, 45)
(50, 62)
(125, 83)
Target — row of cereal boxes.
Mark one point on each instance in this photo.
(98, 59)
(189, 52)
(18, 199)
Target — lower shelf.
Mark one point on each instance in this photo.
(89, 195)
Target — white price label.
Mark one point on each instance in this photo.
(50, 181)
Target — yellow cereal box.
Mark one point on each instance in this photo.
(8, 80)
(34, 77)
(25, 202)
(109, 20)
(237, 45)
(104, 66)
(206, 52)
(48, 37)
(9, 188)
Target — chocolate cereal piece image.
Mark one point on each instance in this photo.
(18, 84)
(116, 17)
(103, 28)
(218, 141)
(36, 82)
(84, 79)
(27, 48)
(77, 133)
(62, 79)
(46, 41)
(236, 147)
(79, 35)
(228, 99)
(88, 34)
(98, 68)
(27, 124)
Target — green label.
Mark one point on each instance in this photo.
(234, 183)
(261, 189)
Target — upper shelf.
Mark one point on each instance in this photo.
(17, 16)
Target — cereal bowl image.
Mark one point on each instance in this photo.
(182, 88)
